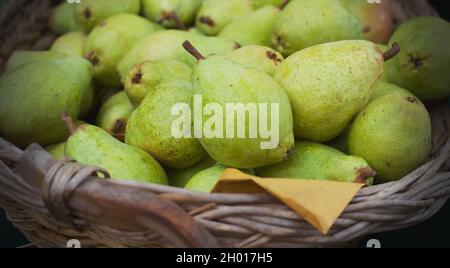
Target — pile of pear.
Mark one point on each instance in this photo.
(351, 90)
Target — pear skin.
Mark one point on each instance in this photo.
(114, 114)
(94, 146)
(89, 13)
(393, 133)
(150, 127)
(316, 161)
(62, 19)
(171, 13)
(180, 177)
(21, 57)
(111, 40)
(71, 44)
(328, 85)
(260, 58)
(146, 76)
(56, 150)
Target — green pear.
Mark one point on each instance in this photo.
(382, 89)
(329, 84)
(384, 77)
(205, 180)
(422, 65)
(21, 57)
(114, 114)
(56, 150)
(393, 133)
(254, 29)
(146, 76)
(94, 146)
(167, 45)
(214, 15)
(150, 127)
(180, 177)
(111, 40)
(71, 44)
(376, 19)
(89, 13)
(31, 98)
(196, 31)
(260, 3)
(305, 23)
(316, 161)
(171, 13)
(221, 82)
(260, 58)
(62, 19)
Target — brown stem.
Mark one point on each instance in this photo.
(364, 175)
(173, 16)
(392, 52)
(192, 50)
(283, 5)
(68, 121)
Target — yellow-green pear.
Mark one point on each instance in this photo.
(114, 114)
(21, 57)
(329, 84)
(168, 45)
(151, 126)
(56, 150)
(232, 95)
(214, 15)
(315, 161)
(393, 133)
(305, 23)
(146, 76)
(180, 177)
(62, 19)
(89, 13)
(382, 89)
(71, 44)
(111, 40)
(171, 13)
(94, 146)
(260, 58)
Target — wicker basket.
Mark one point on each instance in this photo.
(52, 201)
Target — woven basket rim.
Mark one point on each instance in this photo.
(232, 220)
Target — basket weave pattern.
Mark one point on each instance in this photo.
(54, 201)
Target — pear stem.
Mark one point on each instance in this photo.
(68, 121)
(192, 50)
(392, 52)
(283, 5)
(173, 16)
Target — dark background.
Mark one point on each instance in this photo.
(433, 233)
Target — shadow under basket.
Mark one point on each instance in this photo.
(52, 202)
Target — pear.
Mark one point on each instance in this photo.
(114, 114)
(384, 77)
(260, 58)
(31, 98)
(260, 3)
(376, 19)
(111, 40)
(171, 13)
(150, 127)
(214, 15)
(196, 31)
(21, 57)
(254, 29)
(146, 76)
(89, 13)
(305, 23)
(329, 84)
(220, 82)
(382, 89)
(167, 45)
(205, 180)
(62, 19)
(316, 161)
(91, 145)
(56, 150)
(71, 44)
(422, 65)
(180, 177)
(393, 133)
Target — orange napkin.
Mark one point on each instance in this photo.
(318, 202)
